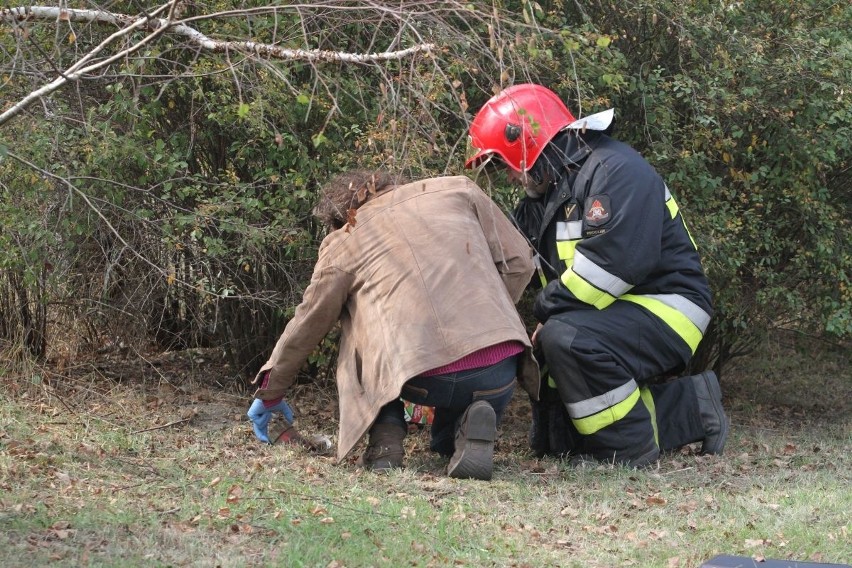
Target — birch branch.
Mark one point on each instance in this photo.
(159, 26)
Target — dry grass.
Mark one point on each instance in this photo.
(149, 463)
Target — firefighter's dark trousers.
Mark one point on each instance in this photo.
(600, 361)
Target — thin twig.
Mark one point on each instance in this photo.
(156, 27)
(677, 470)
(163, 426)
(59, 398)
(331, 502)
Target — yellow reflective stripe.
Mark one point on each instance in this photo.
(673, 211)
(597, 276)
(648, 399)
(595, 404)
(565, 250)
(681, 324)
(585, 292)
(591, 424)
(682, 220)
(544, 372)
(691, 310)
(672, 207)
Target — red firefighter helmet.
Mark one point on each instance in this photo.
(516, 125)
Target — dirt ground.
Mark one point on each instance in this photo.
(197, 388)
(781, 386)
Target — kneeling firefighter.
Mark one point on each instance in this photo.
(624, 298)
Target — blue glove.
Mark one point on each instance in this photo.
(260, 416)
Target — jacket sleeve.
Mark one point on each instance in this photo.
(320, 309)
(622, 231)
(511, 252)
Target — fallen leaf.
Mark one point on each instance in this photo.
(655, 500)
(234, 494)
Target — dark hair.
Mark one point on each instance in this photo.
(348, 191)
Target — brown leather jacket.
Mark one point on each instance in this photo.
(429, 273)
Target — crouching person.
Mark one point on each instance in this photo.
(423, 278)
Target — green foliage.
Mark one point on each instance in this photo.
(171, 198)
(744, 108)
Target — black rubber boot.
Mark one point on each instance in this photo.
(474, 455)
(384, 450)
(713, 417)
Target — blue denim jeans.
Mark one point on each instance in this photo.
(451, 394)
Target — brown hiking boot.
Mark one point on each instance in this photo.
(474, 455)
(384, 450)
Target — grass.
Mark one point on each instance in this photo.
(160, 470)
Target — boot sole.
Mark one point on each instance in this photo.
(715, 390)
(475, 459)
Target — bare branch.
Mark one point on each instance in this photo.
(159, 26)
(91, 205)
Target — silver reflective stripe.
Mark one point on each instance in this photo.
(601, 402)
(668, 193)
(569, 230)
(696, 315)
(598, 277)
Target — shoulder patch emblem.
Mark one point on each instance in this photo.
(597, 210)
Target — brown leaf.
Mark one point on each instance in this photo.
(234, 494)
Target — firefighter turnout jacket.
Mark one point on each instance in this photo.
(610, 231)
(624, 300)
